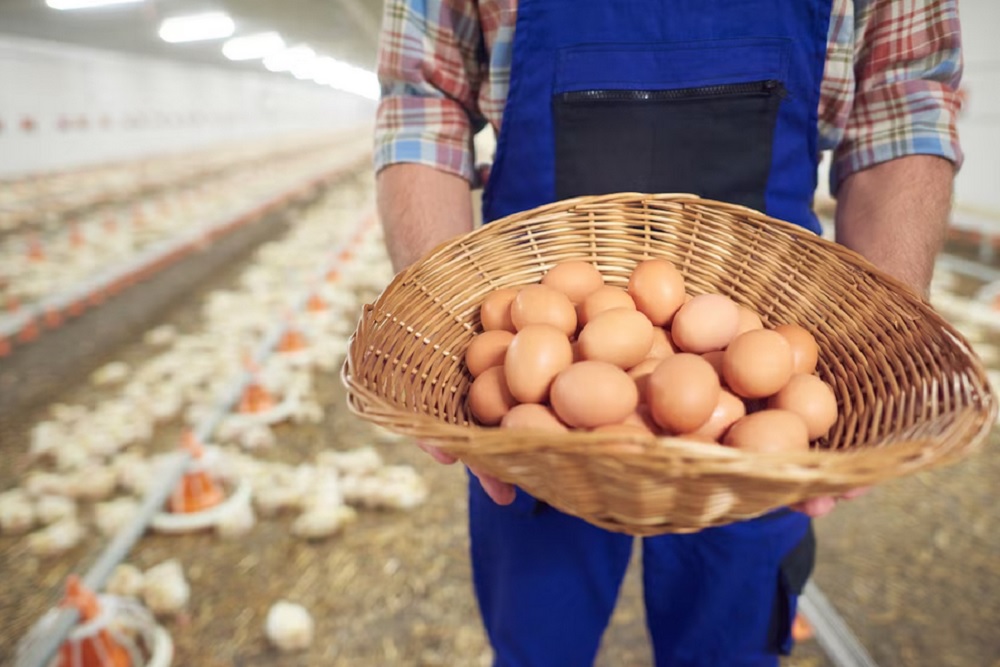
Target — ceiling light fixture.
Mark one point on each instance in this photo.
(197, 27)
(351, 79)
(287, 60)
(87, 4)
(253, 47)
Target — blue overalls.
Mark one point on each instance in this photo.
(713, 97)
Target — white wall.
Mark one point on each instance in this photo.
(978, 184)
(88, 106)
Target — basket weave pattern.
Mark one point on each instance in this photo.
(911, 392)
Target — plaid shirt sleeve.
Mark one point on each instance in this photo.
(907, 67)
(430, 70)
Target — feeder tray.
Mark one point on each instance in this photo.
(112, 632)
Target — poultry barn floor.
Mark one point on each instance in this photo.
(912, 566)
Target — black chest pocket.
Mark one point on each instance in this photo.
(647, 129)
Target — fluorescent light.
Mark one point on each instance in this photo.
(87, 4)
(287, 60)
(197, 27)
(252, 47)
(356, 80)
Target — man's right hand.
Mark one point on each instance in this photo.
(501, 492)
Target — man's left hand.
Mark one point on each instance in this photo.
(817, 507)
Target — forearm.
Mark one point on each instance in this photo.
(420, 207)
(896, 215)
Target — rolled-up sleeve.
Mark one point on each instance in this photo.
(908, 65)
(430, 70)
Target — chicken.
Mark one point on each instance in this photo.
(111, 516)
(50, 509)
(126, 581)
(237, 522)
(323, 521)
(17, 515)
(289, 627)
(55, 539)
(165, 591)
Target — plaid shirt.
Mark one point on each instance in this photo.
(888, 90)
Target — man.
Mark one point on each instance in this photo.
(729, 99)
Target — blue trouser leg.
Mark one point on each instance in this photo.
(546, 582)
(726, 596)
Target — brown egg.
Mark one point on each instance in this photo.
(622, 429)
(487, 350)
(657, 288)
(805, 352)
(642, 418)
(663, 347)
(574, 279)
(626, 430)
(683, 392)
(708, 322)
(769, 431)
(749, 321)
(715, 358)
(640, 374)
(538, 304)
(810, 398)
(602, 300)
(536, 355)
(757, 364)
(495, 311)
(622, 337)
(729, 409)
(593, 393)
(489, 397)
(533, 417)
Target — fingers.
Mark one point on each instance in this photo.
(817, 507)
(500, 492)
(437, 454)
(856, 493)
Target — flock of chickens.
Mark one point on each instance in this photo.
(89, 465)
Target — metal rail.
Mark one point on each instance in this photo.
(840, 644)
(173, 469)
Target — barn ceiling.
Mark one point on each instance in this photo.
(344, 29)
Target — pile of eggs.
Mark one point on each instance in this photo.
(575, 353)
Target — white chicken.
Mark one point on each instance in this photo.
(50, 509)
(164, 589)
(289, 627)
(237, 522)
(360, 461)
(111, 373)
(323, 521)
(17, 515)
(57, 538)
(126, 581)
(111, 516)
(92, 482)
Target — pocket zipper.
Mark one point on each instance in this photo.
(751, 88)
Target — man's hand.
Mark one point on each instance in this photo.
(501, 492)
(817, 507)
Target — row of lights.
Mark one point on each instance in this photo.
(301, 61)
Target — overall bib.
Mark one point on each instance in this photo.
(713, 97)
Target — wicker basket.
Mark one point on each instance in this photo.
(911, 392)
